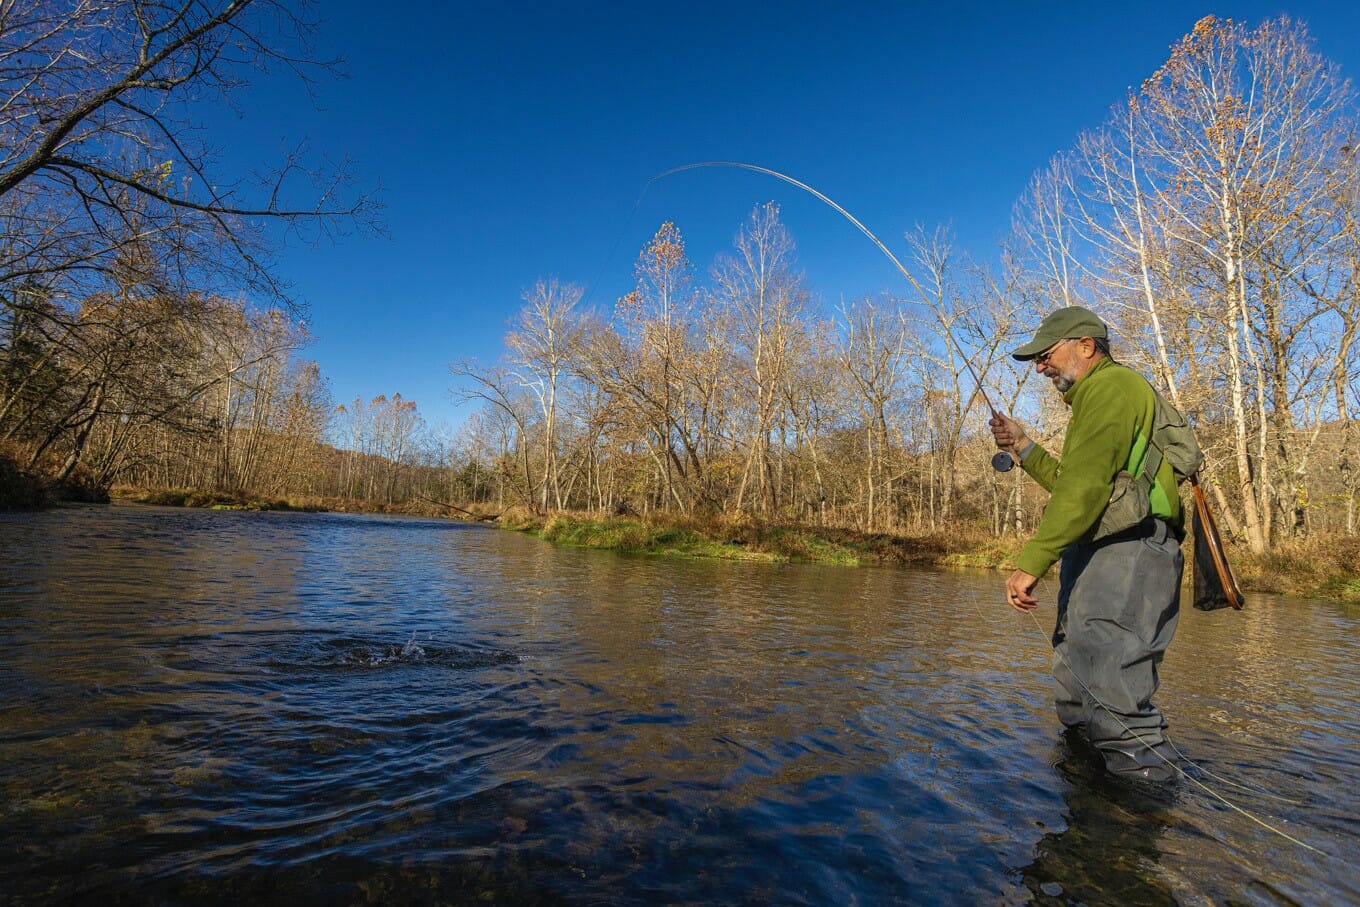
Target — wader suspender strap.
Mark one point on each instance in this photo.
(1152, 464)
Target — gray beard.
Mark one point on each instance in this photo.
(1063, 383)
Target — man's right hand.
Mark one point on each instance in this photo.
(1008, 434)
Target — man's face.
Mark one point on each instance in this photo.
(1056, 364)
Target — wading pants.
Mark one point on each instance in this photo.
(1117, 610)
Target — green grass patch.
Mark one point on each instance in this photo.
(736, 538)
(990, 554)
(632, 536)
(807, 547)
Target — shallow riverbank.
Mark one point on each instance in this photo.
(194, 498)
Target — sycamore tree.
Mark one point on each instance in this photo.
(1206, 219)
(1242, 125)
(546, 333)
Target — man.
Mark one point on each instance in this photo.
(1119, 593)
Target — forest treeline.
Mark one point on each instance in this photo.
(1211, 220)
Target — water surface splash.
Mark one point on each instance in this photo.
(419, 649)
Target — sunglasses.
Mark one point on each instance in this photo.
(1042, 359)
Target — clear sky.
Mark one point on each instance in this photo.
(513, 140)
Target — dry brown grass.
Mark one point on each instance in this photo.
(1321, 566)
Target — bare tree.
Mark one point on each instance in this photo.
(766, 298)
(545, 335)
(114, 206)
(96, 107)
(511, 413)
(643, 363)
(874, 353)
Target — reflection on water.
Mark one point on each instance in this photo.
(221, 707)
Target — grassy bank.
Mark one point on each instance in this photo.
(745, 540)
(1323, 567)
(1320, 568)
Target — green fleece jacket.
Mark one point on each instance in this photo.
(1112, 417)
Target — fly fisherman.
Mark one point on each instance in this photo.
(1119, 591)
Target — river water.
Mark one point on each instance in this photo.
(202, 707)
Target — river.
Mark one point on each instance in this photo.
(214, 707)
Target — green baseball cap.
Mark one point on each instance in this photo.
(1064, 324)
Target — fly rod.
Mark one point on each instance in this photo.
(1002, 460)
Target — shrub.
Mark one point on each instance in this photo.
(18, 489)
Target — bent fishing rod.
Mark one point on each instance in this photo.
(1002, 460)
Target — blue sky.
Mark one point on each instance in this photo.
(512, 141)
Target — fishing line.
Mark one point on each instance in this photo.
(985, 618)
(613, 250)
(1183, 773)
(1259, 791)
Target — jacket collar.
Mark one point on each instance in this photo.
(1104, 363)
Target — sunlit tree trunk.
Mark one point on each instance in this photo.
(542, 341)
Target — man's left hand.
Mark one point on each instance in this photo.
(1018, 588)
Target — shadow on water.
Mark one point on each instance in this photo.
(1109, 851)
